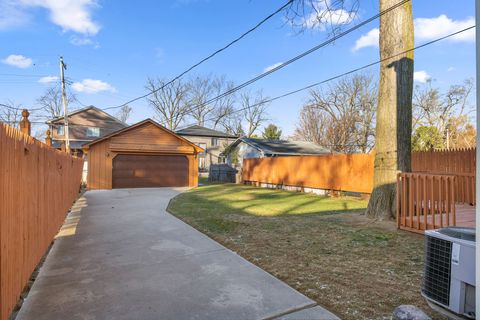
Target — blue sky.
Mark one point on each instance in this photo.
(111, 47)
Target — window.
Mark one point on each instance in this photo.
(60, 130)
(214, 142)
(204, 147)
(93, 132)
(201, 164)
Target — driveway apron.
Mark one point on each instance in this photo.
(120, 255)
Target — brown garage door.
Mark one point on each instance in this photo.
(143, 171)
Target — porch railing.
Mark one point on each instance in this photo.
(427, 201)
(465, 188)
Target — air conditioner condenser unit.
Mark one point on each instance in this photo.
(449, 271)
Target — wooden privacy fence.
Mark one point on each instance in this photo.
(458, 162)
(37, 187)
(425, 201)
(344, 172)
(445, 161)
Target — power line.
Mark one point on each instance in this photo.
(209, 56)
(344, 74)
(18, 109)
(292, 60)
(23, 75)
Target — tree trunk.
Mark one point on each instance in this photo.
(394, 113)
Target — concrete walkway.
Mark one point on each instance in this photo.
(121, 256)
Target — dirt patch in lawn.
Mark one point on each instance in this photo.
(352, 266)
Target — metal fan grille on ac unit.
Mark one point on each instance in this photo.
(436, 282)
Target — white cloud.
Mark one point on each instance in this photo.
(426, 29)
(18, 61)
(325, 14)
(48, 79)
(273, 66)
(432, 28)
(325, 17)
(83, 41)
(370, 39)
(11, 15)
(71, 15)
(92, 86)
(421, 76)
(450, 69)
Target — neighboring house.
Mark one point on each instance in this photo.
(245, 148)
(213, 141)
(85, 125)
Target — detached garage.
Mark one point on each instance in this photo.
(141, 156)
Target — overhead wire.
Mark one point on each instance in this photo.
(343, 74)
(282, 65)
(18, 109)
(303, 54)
(243, 35)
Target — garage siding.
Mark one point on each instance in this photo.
(145, 139)
(99, 166)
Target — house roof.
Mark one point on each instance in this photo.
(282, 147)
(197, 130)
(139, 124)
(61, 118)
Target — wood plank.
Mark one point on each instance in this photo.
(140, 171)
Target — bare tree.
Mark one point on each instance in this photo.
(51, 102)
(124, 113)
(201, 89)
(342, 117)
(11, 113)
(462, 132)
(170, 102)
(443, 111)
(328, 15)
(394, 113)
(254, 107)
(232, 123)
(224, 106)
(312, 125)
(199, 92)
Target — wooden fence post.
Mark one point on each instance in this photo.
(25, 125)
(48, 139)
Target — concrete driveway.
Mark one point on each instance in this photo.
(120, 255)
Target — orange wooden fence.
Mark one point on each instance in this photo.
(444, 161)
(458, 162)
(37, 187)
(344, 172)
(425, 201)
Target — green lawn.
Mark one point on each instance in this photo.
(324, 247)
(240, 199)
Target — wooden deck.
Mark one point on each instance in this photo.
(464, 217)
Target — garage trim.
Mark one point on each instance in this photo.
(144, 138)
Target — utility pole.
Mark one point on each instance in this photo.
(63, 66)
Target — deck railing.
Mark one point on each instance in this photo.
(465, 188)
(427, 201)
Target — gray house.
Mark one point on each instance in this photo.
(245, 148)
(212, 141)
